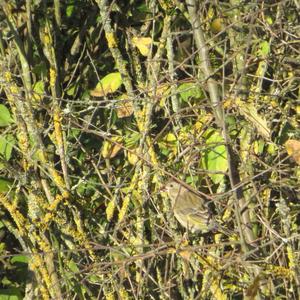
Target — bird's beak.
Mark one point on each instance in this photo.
(163, 189)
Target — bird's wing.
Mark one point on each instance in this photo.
(194, 207)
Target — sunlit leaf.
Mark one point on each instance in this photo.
(108, 85)
(168, 144)
(132, 158)
(94, 279)
(132, 139)
(264, 49)
(124, 108)
(5, 117)
(6, 145)
(269, 20)
(272, 148)
(19, 259)
(258, 147)
(190, 90)
(214, 158)
(4, 185)
(162, 93)
(72, 90)
(111, 148)
(38, 91)
(70, 10)
(293, 149)
(143, 44)
(11, 294)
(217, 25)
(185, 254)
(73, 266)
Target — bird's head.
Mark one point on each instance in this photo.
(173, 189)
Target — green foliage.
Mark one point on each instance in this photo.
(4, 185)
(38, 92)
(264, 49)
(188, 91)
(108, 84)
(5, 116)
(10, 294)
(70, 9)
(7, 143)
(214, 157)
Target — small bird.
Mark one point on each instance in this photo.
(190, 210)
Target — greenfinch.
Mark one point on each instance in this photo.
(189, 209)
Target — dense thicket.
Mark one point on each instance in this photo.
(103, 102)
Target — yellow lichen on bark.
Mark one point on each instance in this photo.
(52, 76)
(111, 39)
(57, 127)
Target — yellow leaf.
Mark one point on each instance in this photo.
(110, 210)
(38, 91)
(293, 149)
(217, 25)
(168, 144)
(258, 147)
(132, 158)
(143, 44)
(107, 85)
(161, 94)
(170, 137)
(123, 210)
(185, 254)
(124, 108)
(111, 149)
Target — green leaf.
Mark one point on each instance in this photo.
(19, 259)
(4, 186)
(40, 69)
(132, 139)
(87, 188)
(73, 267)
(10, 294)
(190, 90)
(108, 85)
(5, 117)
(70, 10)
(263, 49)
(258, 146)
(269, 20)
(214, 158)
(39, 90)
(39, 87)
(272, 149)
(232, 126)
(94, 279)
(71, 90)
(168, 144)
(6, 145)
